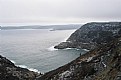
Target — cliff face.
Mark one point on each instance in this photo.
(101, 63)
(91, 35)
(8, 71)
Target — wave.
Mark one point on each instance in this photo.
(85, 49)
(71, 48)
(31, 69)
(52, 48)
(23, 66)
(68, 48)
(77, 49)
(13, 61)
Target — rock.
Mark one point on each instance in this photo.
(101, 63)
(91, 35)
(63, 45)
(8, 71)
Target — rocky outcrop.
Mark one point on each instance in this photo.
(101, 63)
(8, 71)
(91, 35)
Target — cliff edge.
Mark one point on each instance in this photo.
(91, 35)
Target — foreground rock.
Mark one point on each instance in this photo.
(91, 35)
(8, 71)
(102, 63)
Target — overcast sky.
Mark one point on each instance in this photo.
(59, 11)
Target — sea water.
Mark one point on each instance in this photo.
(34, 49)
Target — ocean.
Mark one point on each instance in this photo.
(34, 48)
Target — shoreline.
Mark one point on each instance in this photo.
(51, 48)
(85, 58)
(24, 66)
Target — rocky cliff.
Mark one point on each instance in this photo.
(91, 35)
(8, 71)
(101, 63)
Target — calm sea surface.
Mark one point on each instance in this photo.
(34, 48)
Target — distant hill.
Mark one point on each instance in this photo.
(52, 27)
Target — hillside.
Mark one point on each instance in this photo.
(101, 63)
(91, 35)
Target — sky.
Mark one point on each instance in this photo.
(59, 11)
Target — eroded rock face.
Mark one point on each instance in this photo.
(101, 63)
(90, 35)
(8, 71)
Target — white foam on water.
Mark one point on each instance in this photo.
(31, 69)
(51, 48)
(34, 70)
(67, 48)
(13, 61)
(85, 49)
(70, 49)
(77, 49)
(23, 66)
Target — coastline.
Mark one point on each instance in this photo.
(64, 40)
(24, 66)
(10, 71)
(31, 69)
(86, 50)
(86, 61)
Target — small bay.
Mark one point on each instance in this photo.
(34, 48)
